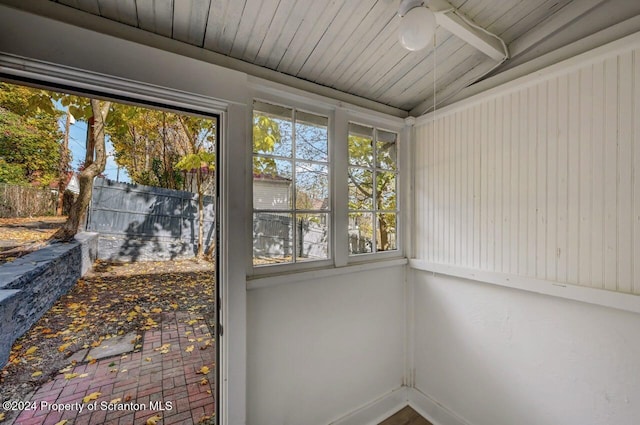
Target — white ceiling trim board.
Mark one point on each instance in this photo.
(456, 23)
(24, 68)
(552, 24)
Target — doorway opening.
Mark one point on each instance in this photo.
(137, 336)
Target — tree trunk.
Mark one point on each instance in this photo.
(384, 234)
(64, 163)
(91, 170)
(200, 214)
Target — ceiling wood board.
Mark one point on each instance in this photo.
(417, 66)
(455, 81)
(286, 19)
(368, 55)
(522, 18)
(156, 16)
(351, 46)
(226, 15)
(447, 91)
(335, 35)
(90, 6)
(358, 45)
(119, 10)
(254, 22)
(190, 21)
(315, 24)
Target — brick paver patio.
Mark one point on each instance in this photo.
(163, 378)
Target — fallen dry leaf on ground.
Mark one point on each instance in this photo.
(63, 347)
(164, 349)
(92, 396)
(97, 308)
(154, 420)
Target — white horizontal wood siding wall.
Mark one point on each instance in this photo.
(539, 180)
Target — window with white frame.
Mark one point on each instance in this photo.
(291, 195)
(373, 198)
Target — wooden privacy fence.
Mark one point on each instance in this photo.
(273, 237)
(26, 201)
(138, 222)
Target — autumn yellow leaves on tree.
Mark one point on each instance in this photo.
(157, 148)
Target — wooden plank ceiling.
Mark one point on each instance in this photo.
(348, 45)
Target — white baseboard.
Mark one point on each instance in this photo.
(378, 410)
(431, 410)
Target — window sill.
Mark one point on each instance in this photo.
(265, 281)
(597, 296)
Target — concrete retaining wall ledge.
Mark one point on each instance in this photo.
(30, 285)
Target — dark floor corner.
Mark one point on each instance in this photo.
(406, 416)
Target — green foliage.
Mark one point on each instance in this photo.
(12, 173)
(201, 160)
(163, 176)
(149, 143)
(360, 151)
(361, 154)
(266, 134)
(27, 101)
(29, 142)
(29, 134)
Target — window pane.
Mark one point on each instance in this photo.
(272, 237)
(385, 191)
(386, 150)
(360, 145)
(312, 186)
(311, 137)
(271, 189)
(360, 233)
(386, 232)
(360, 189)
(312, 234)
(272, 130)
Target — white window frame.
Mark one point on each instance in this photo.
(373, 210)
(386, 124)
(298, 103)
(339, 117)
(300, 265)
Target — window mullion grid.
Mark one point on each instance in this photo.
(294, 172)
(376, 209)
(375, 189)
(286, 158)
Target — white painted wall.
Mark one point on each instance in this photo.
(320, 348)
(539, 178)
(532, 183)
(501, 356)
